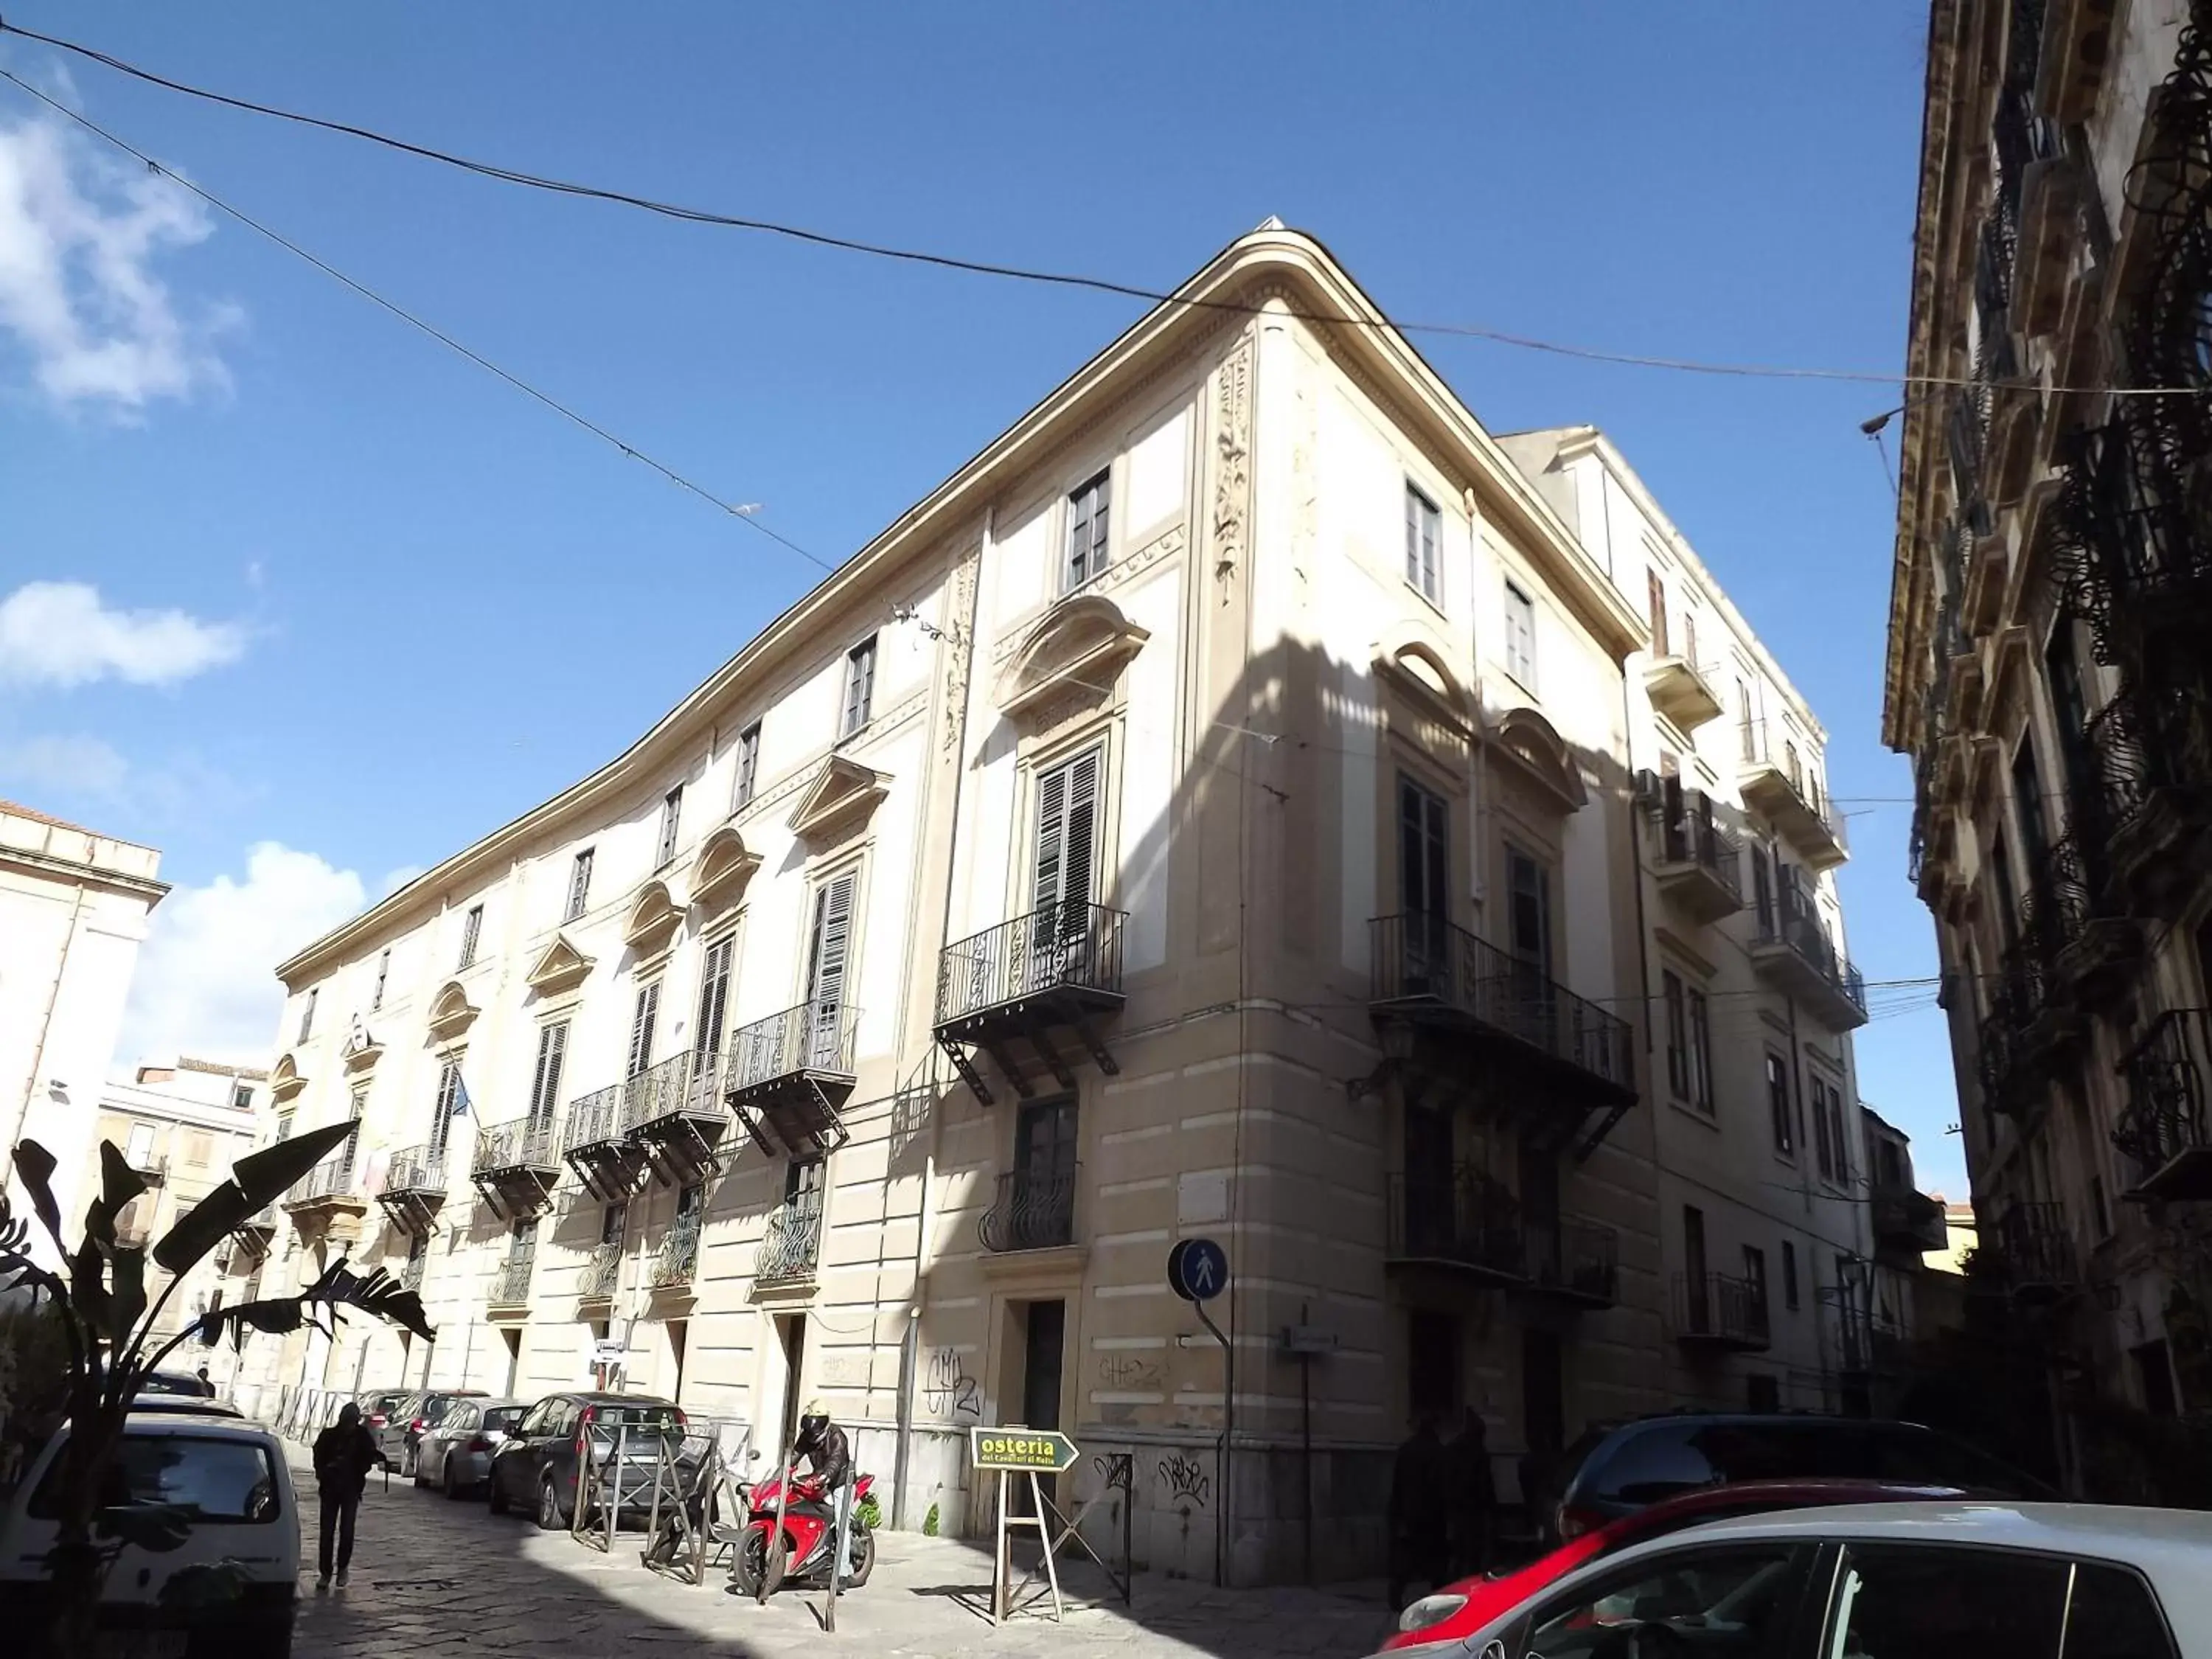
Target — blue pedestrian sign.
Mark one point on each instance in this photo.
(1197, 1269)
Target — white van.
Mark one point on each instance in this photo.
(229, 1476)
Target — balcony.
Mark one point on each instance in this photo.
(2037, 1250)
(676, 1263)
(2129, 555)
(329, 1192)
(601, 1275)
(1906, 1220)
(596, 1142)
(1056, 968)
(791, 1249)
(1792, 952)
(1577, 1262)
(410, 1273)
(510, 1282)
(1459, 1008)
(2100, 947)
(1471, 1224)
(1030, 1212)
(2162, 1127)
(1775, 784)
(414, 1188)
(2033, 1023)
(2153, 755)
(255, 1233)
(1699, 867)
(1715, 1313)
(516, 1166)
(1861, 1339)
(676, 1117)
(152, 1167)
(786, 1076)
(1679, 689)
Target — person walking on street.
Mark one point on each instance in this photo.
(1416, 1511)
(1472, 1492)
(344, 1454)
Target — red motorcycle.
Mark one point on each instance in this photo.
(809, 1526)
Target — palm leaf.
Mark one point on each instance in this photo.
(35, 1167)
(375, 1292)
(257, 1180)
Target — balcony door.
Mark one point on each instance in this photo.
(828, 960)
(1044, 1175)
(713, 1013)
(545, 1086)
(1431, 1181)
(1425, 888)
(1529, 939)
(1064, 878)
(1697, 1298)
(448, 1107)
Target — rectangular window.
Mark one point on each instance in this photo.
(448, 1107)
(643, 1017)
(1746, 724)
(1066, 870)
(1528, 884)
(1827, 1128)
(1520, 636)
(1424, 531)
(1701, 1052)
(307, 1012)
(1678, 1036)
(1690, 638)
(1087, 516)
(472, 933)
(139, 1154)
(1424, 851)
(671, 822)
(612, 1220)
(860, 686)
(828, 959)
(383, 972)
(1754, 1270)
(241, 1097)
(580, 885)
(1657, 594)
(714, 994)
(545, 1086)
(1789, 1275)
(522, 1239)
(748, 766)
(1777, 1102)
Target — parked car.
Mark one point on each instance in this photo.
(1616, 1470)
(229, 1479)
(182, 1384)
(455, 1455)
(408, 1420)
(1961, 1579)
(535, 1470)
(377, 1406)
(191, 1405)
(1460, 1609)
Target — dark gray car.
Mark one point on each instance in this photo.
(456, 1455)
(535, 1471)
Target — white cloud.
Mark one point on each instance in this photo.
(63, 766)
(78, 237)
(59, 634)
(206, 983)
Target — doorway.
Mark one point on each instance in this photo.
(677, 1330)
(1041, 1363)
(782, 1371)
(513, 1340)
(1543, 1403)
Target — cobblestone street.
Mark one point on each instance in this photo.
(433, 1579)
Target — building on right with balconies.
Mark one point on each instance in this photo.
(2047, 671)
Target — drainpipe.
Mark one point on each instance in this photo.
(47, 1019)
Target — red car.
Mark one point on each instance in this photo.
(1459, 1610)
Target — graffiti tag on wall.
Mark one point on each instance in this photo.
(1126, 1373)
(1186, 1479)
(949, 1392)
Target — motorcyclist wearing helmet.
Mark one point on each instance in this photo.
(822, 1442)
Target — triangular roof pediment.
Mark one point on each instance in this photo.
(1081, 645)
(842, 793)
(724, 866)
(653, 918)
(560, 967)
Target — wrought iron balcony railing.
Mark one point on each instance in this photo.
(1030, 1212)
(416, 1170)
(1461, 1215)
(1689, 834)
(1797, 928)
(1576, 1261)
(332, 1181)
(677, 1261)
(1778, 782)
(688, 1085)
(1717, 1309)
(510, 1282)
(2128, 557)
(1073, 945)
(601, 1275)
(2164, 1126)
(522, 1143)
(791, 1249)
(813, 1036)
(597, 1118)
(1907, 1218)
(1421, 962)
(2037, 1248)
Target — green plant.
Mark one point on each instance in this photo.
(870, 1511)
(929, 1523)
(106, 1326)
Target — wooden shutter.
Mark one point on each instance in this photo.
(449, 1087)
(1052, 838)
(833, 933)
(1067, 838)
(714, 996)
(552, 1050)
(1658, 593)
(642, 1020)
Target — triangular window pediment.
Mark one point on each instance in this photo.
(843, 794)
(1079, 647)
(450, 1012)
(285, 1081)
(1527, 738)
(724, 866)
(561, 966)
(652, 920)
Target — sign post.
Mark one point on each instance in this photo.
(1027, 1453)
(1198, 1271)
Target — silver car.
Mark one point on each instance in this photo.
(455, 1456)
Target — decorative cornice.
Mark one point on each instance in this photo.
(652, 920)
(561, 966)
(723, 868)
(450, 1012)
(843, 792)
(1082, 643)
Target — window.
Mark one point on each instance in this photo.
(199, 1147)
(383, 973)
(1680, 1602)
(1658, 593)
(308, 1013)
(804, 1179)
(140, 1152)
(580, 885)
(748, 766)
(1828, 1128)
(1701, 1052)
(1087, 517)
(860, 686)
(1424, 851)
(472, 933)
(452, 1098)
(2099, 1213)
(2113, 1615)
(1755, 1273)
(241, 1097)
(283, 1125)
(545, 1086)
(1897, 1600)
(671, 819)
(1746, 723)
(222, 1480)
(1678, 1037)
(1777, 1102)
(643, 1017)
(714, 996)
(1061, 880)
(1789, 1275)
(1690, 637)
(829, 958)
(1424, 530)
(1530, 886)
(1520, 636)
(1693, 1265)
(1432, 1363)
(522, 1239)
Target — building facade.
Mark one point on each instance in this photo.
(1210, 813)
(74, 906)
(2046, 673)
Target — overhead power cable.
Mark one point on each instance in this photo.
(1025, 274)
(745, 513)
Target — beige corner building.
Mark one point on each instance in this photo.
(74, 906)
(1212, 812)
(2046, 672)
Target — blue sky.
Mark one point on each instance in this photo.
(423, 604)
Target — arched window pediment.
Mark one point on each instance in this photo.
(451, 1011)
(724, 867)
(1416, 660)
(653, 921)
(1080, 645)
(1532, 743)
(284, 1080)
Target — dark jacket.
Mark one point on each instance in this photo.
(344, 1458)
(1417, 1482)
(828, 1459)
